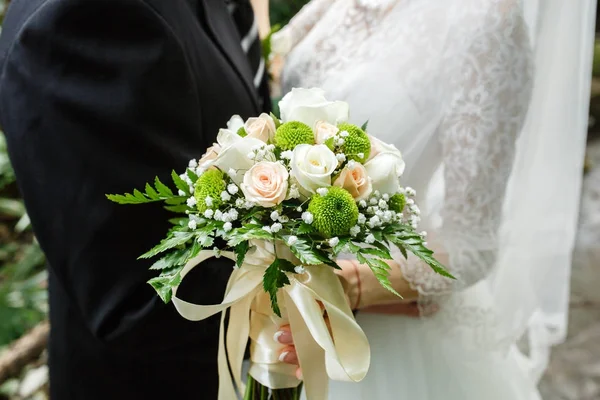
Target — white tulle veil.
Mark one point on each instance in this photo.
(530, 285)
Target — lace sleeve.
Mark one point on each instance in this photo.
(478, 136)
(283, 41)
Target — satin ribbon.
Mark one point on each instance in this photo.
(343, 355)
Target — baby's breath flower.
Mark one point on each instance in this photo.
(373, 201)
(208, 201)
(225, 196)
(362, 204)
(299, 209)
(344, 134)
(248, 205)
(232, 173)
(227, 226)
(200, 171)
(209, 213)
(286, 155)
(217, 252)
(192, 224)
(410, 191)
(267, 228)
(193, 163)
(191, 202)
(374, 222)
(355, 230)
(181, 192)
(334, 241)
(423, 234)
(294, 192)
(274, 215)
(251, 155)
(385, 196)
(218, 215)
(322, 191)
(340, 157)
(340, 142)
(377, 194)
(283, 219)
(361, 155)
(232, 188)
(388, 216)
(383, 204)
(361, 218)
(276, 227)
(291, 240)
(233, 214)
(299, 269)
(239, 203)
(370, 238)
(307, 217)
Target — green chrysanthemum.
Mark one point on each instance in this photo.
(357, 145)
(209, 184)
(291, 134)
(335, 213)
(397, 202)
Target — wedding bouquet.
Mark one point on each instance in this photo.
(285, 198)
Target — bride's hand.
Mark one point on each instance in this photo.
(288, 354)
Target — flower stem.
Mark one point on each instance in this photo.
(256, 391)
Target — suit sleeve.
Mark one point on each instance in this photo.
(97, 98)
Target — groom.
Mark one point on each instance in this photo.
(97, 97)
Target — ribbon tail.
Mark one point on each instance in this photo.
(310, 353)
(238, 331)
(226, 388)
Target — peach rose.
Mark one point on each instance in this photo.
(324, 131)
(266, 183)
(262, 128)
(355, 181)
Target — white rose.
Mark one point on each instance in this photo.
(235, 157)
(385, 170)
(310, 106)
(324, 131)
(262, 128)
(235, 123)
(379, 147)
(312, 167)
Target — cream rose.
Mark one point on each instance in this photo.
(210, 156)
(355, 181)
(262, 128)
(266, 183)
(236, 156)
(310, 106)
(385, 170)
(379, 147)
(312, 167)
(324, 131)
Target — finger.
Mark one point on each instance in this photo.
(288, 355)
(284, 335)
(299, 374)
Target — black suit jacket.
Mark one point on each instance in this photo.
(96, 97)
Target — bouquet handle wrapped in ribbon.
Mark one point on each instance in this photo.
(341, 355)
(287, 197)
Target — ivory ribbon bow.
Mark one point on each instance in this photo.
(343, 356)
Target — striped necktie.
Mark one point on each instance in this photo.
(243, 16)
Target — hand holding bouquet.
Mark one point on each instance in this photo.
(287, 197)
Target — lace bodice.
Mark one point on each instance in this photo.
(448, 82)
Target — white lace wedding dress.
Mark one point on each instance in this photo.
(448, 82)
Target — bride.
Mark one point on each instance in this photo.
(450, 83)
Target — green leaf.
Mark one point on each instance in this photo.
(274, 279)
(173, 259)
(164, 285)
(305, 228)
(276, 120)
(380, 269)
(240, 252)
(128, 198)
(151, 193)
(192, 175)
(176, 239)
(180, 183)
(412, 241)
(338, 248)
(174, 201)
(383, 254)
(248, 232)
(163, 190)
(330, 143)
(308, 255)
(182, 208)
(365, 125)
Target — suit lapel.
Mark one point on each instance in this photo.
(224, 33)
